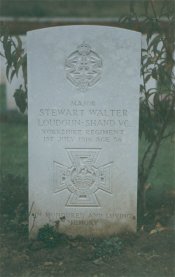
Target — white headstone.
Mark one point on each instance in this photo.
(83, 108)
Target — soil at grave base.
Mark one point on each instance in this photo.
(140, 255)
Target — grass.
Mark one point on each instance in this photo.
(13, 148)
(3, 102)
(163, 171)
(66, 8)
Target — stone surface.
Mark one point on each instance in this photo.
(83, 108)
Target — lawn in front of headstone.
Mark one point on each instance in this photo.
(13, 144)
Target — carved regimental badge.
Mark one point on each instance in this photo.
(83, 179)
(83, 67)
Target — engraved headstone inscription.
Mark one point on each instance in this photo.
(83, 109)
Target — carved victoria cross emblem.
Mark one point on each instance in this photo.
(83, 67)
(83, 179)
